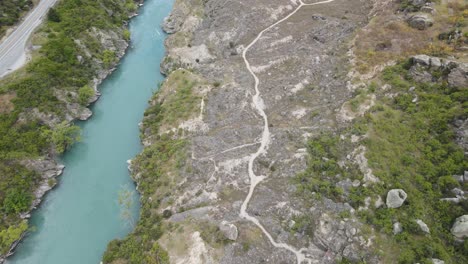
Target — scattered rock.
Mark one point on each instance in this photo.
(458, 192)
(350, 252)
(420, 21)
(458, 77)
(395, 198)
(379, 202)
(397, 228)
(460, 227)
(455, 73)
(229, 230)
(437, 261)
(427, 9)
(423, 226)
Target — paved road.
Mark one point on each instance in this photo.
(13, 49)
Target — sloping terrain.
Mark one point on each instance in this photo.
(303, 132)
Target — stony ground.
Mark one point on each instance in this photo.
(302, 67)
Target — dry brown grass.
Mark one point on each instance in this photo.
(6, 104)
(388, 37)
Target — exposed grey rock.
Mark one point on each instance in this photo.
(460, 227)
(229, 230)
(197, 213)
(458, 77)
(175, 20)
(420, 74)
(417, 2)
(397, 228)
(428, 61)
(427, 9)
(423, 226)
(437, 261)
(458, 192)
(456, 73)
(48, 169)
(420, 21)
(379, 202)
(351, 253)
(395, 198)
(422, 59)
(79, 112)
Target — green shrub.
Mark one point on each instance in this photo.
(85, 93)
(108, 58)
(126, 34)
(62, 136)
(53, 16)
(10, 235)
(16, 201)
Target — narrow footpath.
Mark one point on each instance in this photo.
(265, 140)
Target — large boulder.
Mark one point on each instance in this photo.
(460, 227)
(458, 77)
(229, 230)
(395, 198)
(420, 21)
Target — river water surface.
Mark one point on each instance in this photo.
(81, 215)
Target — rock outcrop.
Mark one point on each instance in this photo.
(460, 227)
(48, 169)
(420, 21)
(229, 230)
(395, 198)
(455, 73)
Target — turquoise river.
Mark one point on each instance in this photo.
(82, 214)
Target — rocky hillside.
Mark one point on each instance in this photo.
(304, 132)
(76, 48)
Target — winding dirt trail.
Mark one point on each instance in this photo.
(265, 141)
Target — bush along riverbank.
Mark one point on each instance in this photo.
(77, 47)
(156, 170)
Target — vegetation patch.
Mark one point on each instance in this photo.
(388, 37)
(410, 145)
(12, 11)
(31, 93)
(178, 100)
(157, 168)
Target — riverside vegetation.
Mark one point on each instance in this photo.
(60, 73)
(12, 11)
(157, 169)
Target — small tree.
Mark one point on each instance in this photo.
(53, 15)
(126, 204)
(62, 136)
(16, 201)
(108, 57)
(84, 94)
